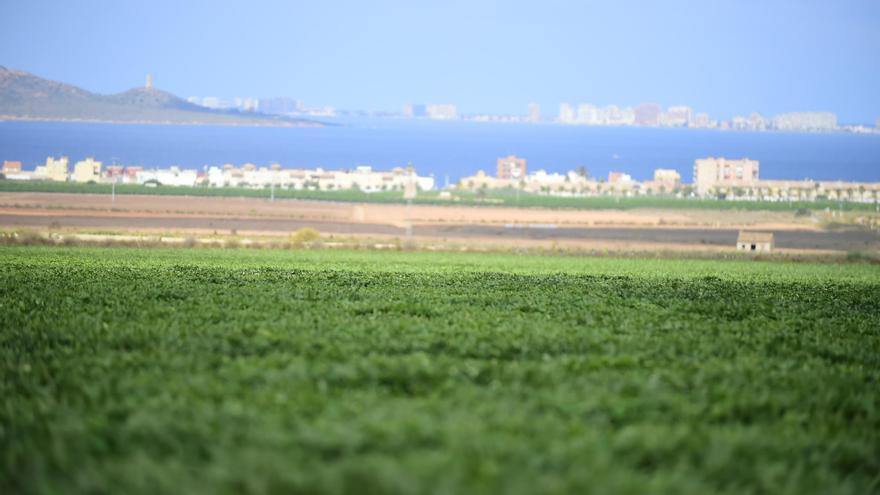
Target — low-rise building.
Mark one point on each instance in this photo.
(615, 177)
(114, 173)
(363, 178)
(54, 170)
(11, 167)
(88, 170)
(481, 180)
(12, 171)
(755, 242)
(797, 190)
(131, 173)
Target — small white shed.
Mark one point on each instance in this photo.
(755, 242)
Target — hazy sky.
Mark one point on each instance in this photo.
(724, 57)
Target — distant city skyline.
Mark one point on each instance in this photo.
(645, 114)
(725, 58)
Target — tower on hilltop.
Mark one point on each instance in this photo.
(149, 84)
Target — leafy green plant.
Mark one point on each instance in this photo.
(256, 371)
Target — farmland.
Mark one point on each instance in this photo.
(261, 371)
(463, 198)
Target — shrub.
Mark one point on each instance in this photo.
(304, 236)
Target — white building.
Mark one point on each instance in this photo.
(566, 114)
(708, 172)
(173, 176)
(363, 178)
(588, 114)
(677, 116)
(534, 112)
(442, 111)
(806, 121)
(88, 170)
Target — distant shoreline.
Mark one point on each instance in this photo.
(12, 118)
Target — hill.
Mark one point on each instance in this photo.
(24, 96)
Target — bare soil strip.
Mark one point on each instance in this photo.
(786, 239)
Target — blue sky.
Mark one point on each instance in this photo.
(724, 57)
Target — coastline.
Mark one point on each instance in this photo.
(303, 123)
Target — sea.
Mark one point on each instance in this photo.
(447, 150)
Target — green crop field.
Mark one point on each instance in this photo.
(463, 198)
(258, 371)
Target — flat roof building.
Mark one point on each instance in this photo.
(615, 177)
(708, 172)
(56, 170)
(755, 242)
(88, 170)
(511, 167)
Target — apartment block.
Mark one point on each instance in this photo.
(88, 170)
(708, 172)
(55, 170)
(511, 167)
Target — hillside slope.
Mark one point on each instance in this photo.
(24, 96)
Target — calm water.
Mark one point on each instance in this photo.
(446, 148)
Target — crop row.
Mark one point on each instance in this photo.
(161, 371)
(489, 198)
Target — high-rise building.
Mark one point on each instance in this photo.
(610, 115)
(627, 116)
(757, 122)
(709, 171)
(614, 115)
(511, 167)
(442, 111)
(534, 112)
(566, 113)
(806, 121)
(279, 105)
(647, 114)
(212, 102)
(588, 114)
(246, 104)
(701, 120)
(677, 116)
(149, 83)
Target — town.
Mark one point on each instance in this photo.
(586, 114)
(716, 178)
